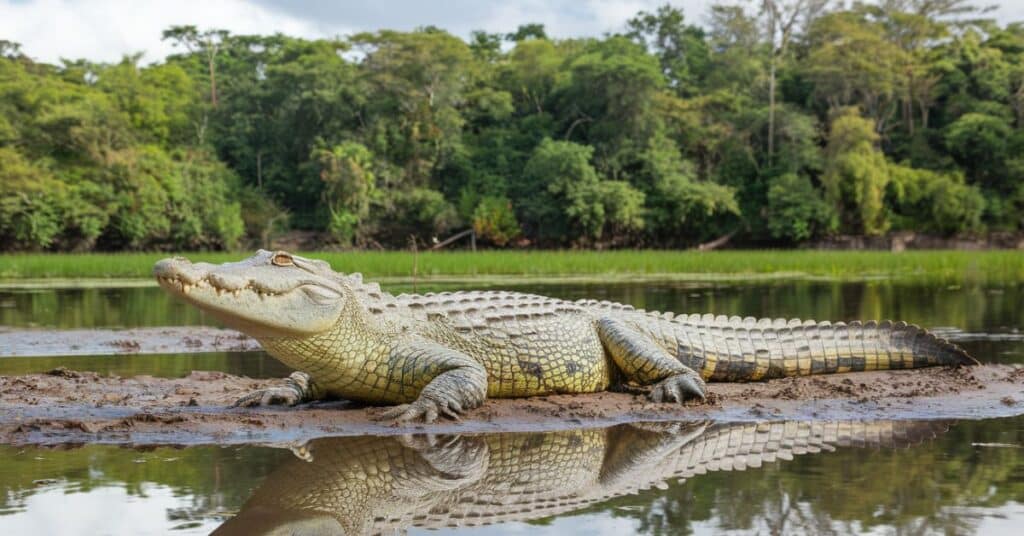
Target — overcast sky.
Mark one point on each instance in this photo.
(104, 30)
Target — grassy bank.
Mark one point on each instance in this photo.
(1004, 266)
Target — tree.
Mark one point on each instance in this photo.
(208, 43)
(561, 195)
(936, 202)
(779, 122)
(680, 205)
(796, 211)
(531, 73)
(857, 174)
(527, 31)
(494, 220)
(979, 142)
(485, 46)
(851, 63)
(9, 49)
(420, 79)
(681, 49)
(608, 102)
(349, 187)
(781, 19)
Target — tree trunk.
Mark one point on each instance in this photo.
(718, 242)
(771, 109)
(213, 81)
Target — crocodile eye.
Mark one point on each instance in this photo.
(282, 259)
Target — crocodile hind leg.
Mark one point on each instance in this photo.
(454, 382)
(644, 361)
(297, 388)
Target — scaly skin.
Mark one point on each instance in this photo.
(445, 353)
(375, 485)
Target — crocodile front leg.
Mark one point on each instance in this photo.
(297, 388)
(643, 361)
(456, 382)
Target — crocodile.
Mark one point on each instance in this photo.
(384, 485)
(443, 354)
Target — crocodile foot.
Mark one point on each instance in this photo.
(297, 388)
(424, 408)
(461, 459)
(678, 388)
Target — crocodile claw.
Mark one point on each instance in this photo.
(298, 387)
(423, 408)
(678, 388)
(280, 396)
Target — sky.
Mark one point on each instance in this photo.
(105, 30)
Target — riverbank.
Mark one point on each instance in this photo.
(1004, 266)
(65, 407)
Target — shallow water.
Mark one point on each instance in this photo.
(779, 477)
(965, 477)
(987, 319)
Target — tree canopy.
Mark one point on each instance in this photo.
(775, 123)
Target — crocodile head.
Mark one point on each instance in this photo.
(271, 294)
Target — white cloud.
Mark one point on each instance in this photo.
(104, 30)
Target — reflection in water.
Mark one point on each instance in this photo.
(357, 485)
(136, 514)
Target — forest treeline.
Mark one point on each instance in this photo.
(774, 122)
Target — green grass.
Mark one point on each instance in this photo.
(947, 266)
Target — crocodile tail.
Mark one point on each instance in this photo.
(748, 350)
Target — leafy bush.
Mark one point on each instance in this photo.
(796, 211)
(494, 220)
(934, 201)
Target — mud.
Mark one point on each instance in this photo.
(186, 339)
(66, 406)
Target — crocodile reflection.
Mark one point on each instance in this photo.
(368, 485)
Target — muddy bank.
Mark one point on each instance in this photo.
(165, 340)
(75, 407)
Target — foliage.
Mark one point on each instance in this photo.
(857, 174)
(796, 210)
(349, 186)
(494, 220)
(562, 193)
(774, 125)
(939, 202)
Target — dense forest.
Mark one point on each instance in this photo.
(775, 122)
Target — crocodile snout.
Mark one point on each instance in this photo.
(178, 268)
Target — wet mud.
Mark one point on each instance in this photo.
(69, 407)
(164, 340)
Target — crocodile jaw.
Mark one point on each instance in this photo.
(256, 296)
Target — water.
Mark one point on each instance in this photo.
(890, 477)
(953, 478)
